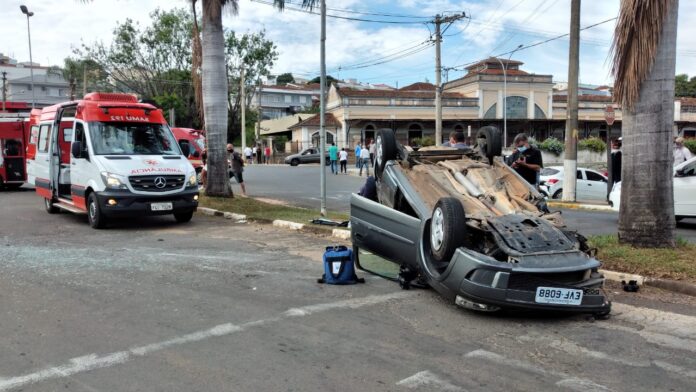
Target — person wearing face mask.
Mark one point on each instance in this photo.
(681, 153)
(236, 167)
(525, 159)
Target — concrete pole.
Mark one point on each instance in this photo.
(438, 87)
(570, 163)
(84, 79)
(322, 111)
(505, 143)
(4, 92)
(242, 98)
(259, 115)
(31, 66)
(172, 118)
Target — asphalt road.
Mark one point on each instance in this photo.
(150, 305)
(300, 186)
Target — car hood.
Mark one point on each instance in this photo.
(145, 165)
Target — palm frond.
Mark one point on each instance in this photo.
(309, 4)
(212, 9)
(636, 39)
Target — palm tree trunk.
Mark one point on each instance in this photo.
(215, 93)
(646, 218)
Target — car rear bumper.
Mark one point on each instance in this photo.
(509, 285)
(131, 204)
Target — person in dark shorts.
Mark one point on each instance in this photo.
(236, 167)
(526, 160)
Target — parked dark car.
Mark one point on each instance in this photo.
(467, 225)
(308, 155)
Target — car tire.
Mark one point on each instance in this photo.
(447, 228)
(50, 208)
(490, 142)
(294, 162)
(558, 194)
(94, 214)
(385, 150)
(183, 217)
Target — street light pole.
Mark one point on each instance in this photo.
(28, 13)
(322, 111)
(504, 67)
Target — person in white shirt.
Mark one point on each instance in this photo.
(681, 153)
(247, 154)
(365, 160)
(253, 153)
(343, 160)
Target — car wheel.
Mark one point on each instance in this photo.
(447, 228)
(385, 150)
(50, 208)
(489, 142)
(558, 194)
(183, 217)
(294, 162)
(94, 215)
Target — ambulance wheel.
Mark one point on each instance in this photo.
(94, 215)
(50, 208)
(183, 217)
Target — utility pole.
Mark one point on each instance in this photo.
(4, 92)
(322, 111)
(242, 98)
(438, 21)
(438, 82)
(29, 14)
(570, 163)
(260, 112)
(84, 79)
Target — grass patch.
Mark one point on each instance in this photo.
(677, 264)
(255, 209)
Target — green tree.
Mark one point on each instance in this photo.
(644, 62)
(684, 87)
(285, 78)
(329, 79)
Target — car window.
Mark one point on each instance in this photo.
(547, 171)
(579, 176)
(44, 136)
(592, 176)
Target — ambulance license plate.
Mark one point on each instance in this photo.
(161, 206)
(555, 295)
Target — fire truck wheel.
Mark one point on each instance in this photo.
(183, 217)
(96, 219)
(50, 208)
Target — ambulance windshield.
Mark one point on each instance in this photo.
(127, 138)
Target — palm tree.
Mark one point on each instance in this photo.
(214, 89)
(72, 69)
(644, 58)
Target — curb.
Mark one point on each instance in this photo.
(577, 206)
(665, 284)
(240, 218)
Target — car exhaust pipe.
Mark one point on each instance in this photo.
(470, 186)
(471, 305)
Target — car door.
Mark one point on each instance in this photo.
(384, 231)
(581, 188)
(40, 166)
(596, 185)
(307, 155)
(80, 165)
(684, 191)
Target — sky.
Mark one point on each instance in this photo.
(369, 50)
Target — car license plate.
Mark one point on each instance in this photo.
(161, 206)
(555, 295)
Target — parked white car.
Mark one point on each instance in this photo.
(684, 191)
(591, 184)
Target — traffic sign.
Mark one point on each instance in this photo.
(609, 114)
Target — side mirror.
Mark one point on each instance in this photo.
(196, 154)
(77, 149)
(185, 149)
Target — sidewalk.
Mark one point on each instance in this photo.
(580, 205)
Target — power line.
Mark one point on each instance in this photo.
(306, 11)
(369, 13)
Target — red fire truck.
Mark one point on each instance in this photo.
(15, 131)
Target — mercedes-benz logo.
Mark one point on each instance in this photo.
(160, 182)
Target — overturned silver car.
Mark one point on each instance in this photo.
(467, 225)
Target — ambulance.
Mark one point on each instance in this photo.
(107, 156)
(13, 140)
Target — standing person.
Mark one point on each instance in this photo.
(458, 140)
(616, 161)
(372, 152)
(333, 157)
(357, 155)
(267, 154)
(253, 153)
(343, 159)
(525, 159)
(259, 154)
(236, 167)
(451, 142)
(204, 171)
(681, 153)
(365, 161)
(247, 154)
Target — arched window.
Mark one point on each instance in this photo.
(458, 128)
(415, 131)
(316, 138)
(369, 132)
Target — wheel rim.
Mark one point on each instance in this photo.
(437, 229)
(378, 149)
(92, 211)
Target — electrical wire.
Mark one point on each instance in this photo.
(368, 13)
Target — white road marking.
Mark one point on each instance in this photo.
(429, 380)
(567, 381)
(94, 361)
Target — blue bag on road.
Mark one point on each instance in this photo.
(339, 267)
